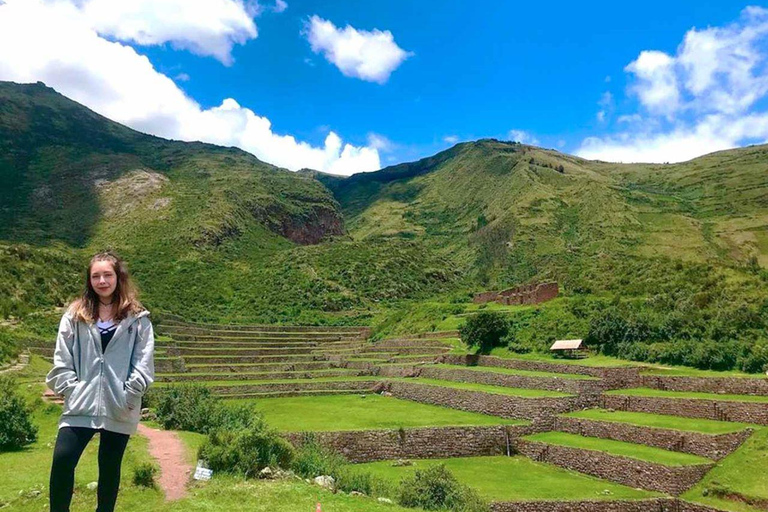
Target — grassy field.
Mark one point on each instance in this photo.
(353, 412)
(593, 360)
(495, 390)
(688, 394)
(684, 371)
(516, 479)
(661, 421)
(276, 381)
(632, 450)
(522, 373)
(742, 472)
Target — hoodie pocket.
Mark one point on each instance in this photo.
(81, 401)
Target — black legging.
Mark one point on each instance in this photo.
(70, 444)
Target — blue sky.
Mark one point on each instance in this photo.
(657, 81)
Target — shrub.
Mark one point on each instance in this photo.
(349, 479)
(185, 407)
(144, 475)
(484, 330)
(313, 459)
(246, 451)
(435, 488)
(16, 427)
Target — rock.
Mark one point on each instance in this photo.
(266, 473)
(402, 462)
(356, 493)
(92, 486)
(386, 500)
(386, 393)
(325, 481)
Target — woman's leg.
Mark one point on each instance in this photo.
(111, 450)
(70, 443)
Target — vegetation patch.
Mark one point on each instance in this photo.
(515, 479)
(658, 393)
(485, 388)
(513, 371)
(355, 412)
(703, 426)
(620, 448)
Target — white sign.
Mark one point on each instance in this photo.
(202, 472)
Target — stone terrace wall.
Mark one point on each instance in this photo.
(528, 294)
(576, 386)
(732, 385)
(417, 443)
(712, 446)
(539, 410)
(722, 410)
(619, 377)
(652, 505)
(352, 385)
(632, 472)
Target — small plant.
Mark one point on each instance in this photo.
(144, 475)
(16, 427)
(313, 459)
(435, 488)
(246, 451)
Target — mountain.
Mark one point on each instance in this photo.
(509, 211)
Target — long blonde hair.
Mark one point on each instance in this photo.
(86, 308)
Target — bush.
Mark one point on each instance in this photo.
(313, 459)
(246, 451)
(192, 407)
(144, 475)
(484, 330)
(435, 488)
(16, 427)
(349, 479)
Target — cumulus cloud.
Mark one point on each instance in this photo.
(523, 137)
(55, 42)
(451, 139)
(703, 98)
(204, 27)
(280, 6)
(370, 56)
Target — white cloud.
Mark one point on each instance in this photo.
(703, 98)
(55, 43)
(381, 143)
(280, 6)
(522, 137)
(451, 139)
(606, 102)
(370, 56)
(204, 27)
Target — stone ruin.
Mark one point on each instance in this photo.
(535, 293)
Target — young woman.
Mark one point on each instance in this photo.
(102, 365)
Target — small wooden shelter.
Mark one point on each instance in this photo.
(568, 348)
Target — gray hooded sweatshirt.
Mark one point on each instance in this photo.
(103, 389)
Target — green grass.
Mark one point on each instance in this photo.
(595, 361)
(484, 388)
(273, 381)
(688, 394)
(353, 412)
(742, 472)
(516, 479)
(702, 426)
(620, 448)
(522, 373)
(684, 371)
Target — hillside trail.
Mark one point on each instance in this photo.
(166, 447)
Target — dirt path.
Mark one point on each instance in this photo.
(167, 448)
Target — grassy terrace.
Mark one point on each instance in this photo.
(354, 412)
(661, 421)
(496, 390)
(632, 450)
(273, 381)
(683, 371)
(521, 373)
(741, 473)
(658, 393)
(517, 479)
(256, 375)
(598, 361)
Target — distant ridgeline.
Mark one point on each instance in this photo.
(535, 293)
